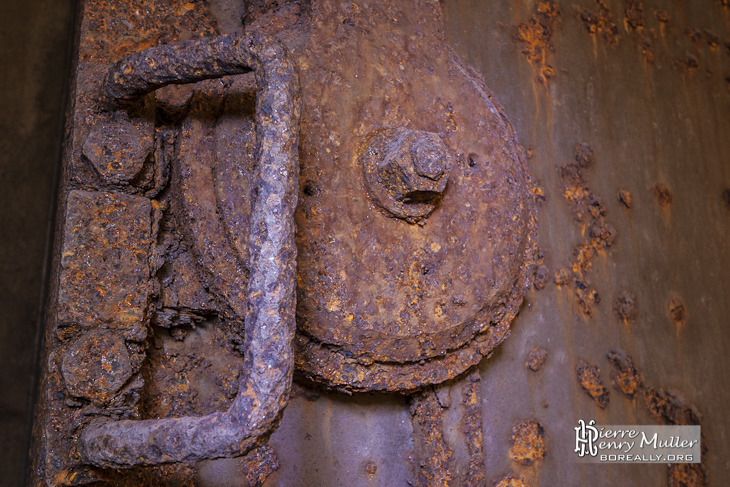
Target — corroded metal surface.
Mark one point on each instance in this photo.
(401, 289)
(620, 109)
(384, 304)
(267, 306)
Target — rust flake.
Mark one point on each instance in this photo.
(625, 377)
(511, 481)
(601, 23)
(589, 377)
(624, 306)
(677, 311)
(625, 198)
(535, 39)
(633, 16)
(536, 359)
(663, 195)
(668, 407)
(588, 210)
(528, 442)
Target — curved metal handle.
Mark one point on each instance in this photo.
(269, 303)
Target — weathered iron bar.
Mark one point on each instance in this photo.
(268, 304)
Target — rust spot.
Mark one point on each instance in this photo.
(511, 481)
(542, 273)
(371, 468)
(625, 306)
(662, 195)
(712, 40)
(634, 25)
(536, 358)
(542, 276)
(528, 442)
(601, 23)
(625, 377)
(625, 198)
(687, 64)
(695, 35)
(588, 210)
(538, 193)
(686, 475)
(535, 39)
(589, 377)
(677, 311)
(661, 16)
(586, 297)
(562, 277)
(584, 155)
(670, 407)
(633, 16)
(667, 407)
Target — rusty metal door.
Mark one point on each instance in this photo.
(510, 216)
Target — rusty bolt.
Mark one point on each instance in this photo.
(118, 148)
(406, 171)
(96, 366)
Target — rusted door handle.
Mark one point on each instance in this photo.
(269, 301)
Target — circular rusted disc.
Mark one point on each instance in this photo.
(384, 304)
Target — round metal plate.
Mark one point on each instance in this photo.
(383, 303)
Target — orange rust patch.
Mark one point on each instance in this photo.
(686, 475)
(661, 16)
(601, 23)
(625, 198)
(511, 481)
(677, 311)
(589, 377)
(633, 16)
(528, 442)
(625, 306)
(535, 39)
(667, 407)
(687, 64)
(588, 210)
(625, 376)
(536, 358)
(662, 195)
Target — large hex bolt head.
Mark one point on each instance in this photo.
(118, 148)
(406, 171)
(96, 366)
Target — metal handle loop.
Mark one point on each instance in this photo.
(269, 303)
